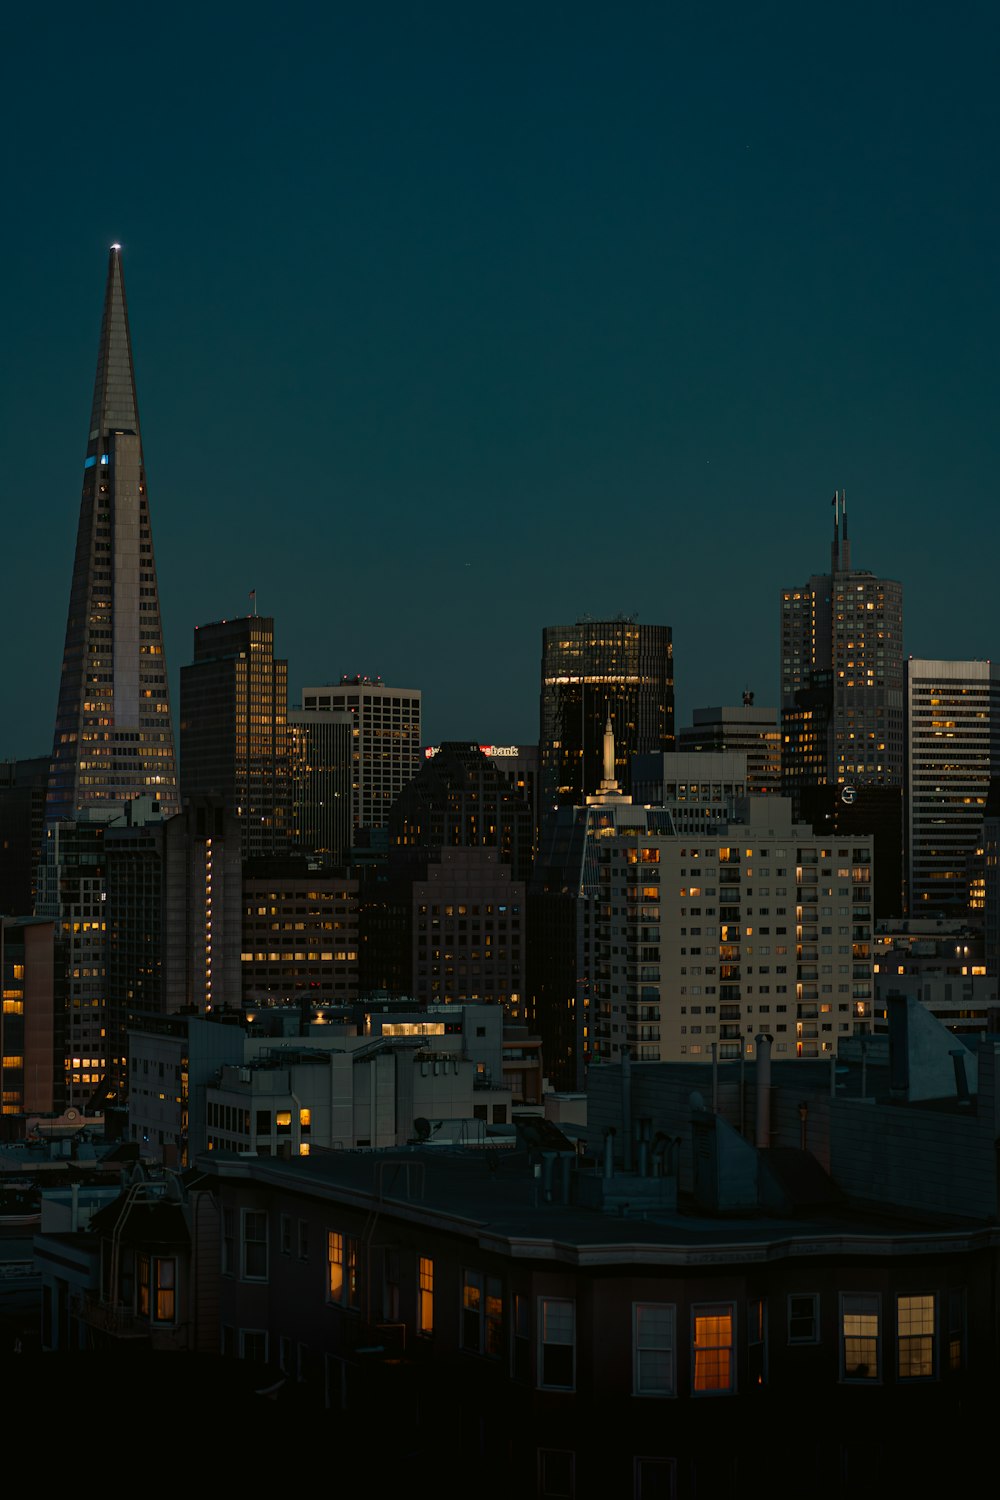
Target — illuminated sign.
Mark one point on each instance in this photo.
(495, 752)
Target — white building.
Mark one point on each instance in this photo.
(709, 939)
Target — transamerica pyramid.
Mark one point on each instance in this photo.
(114, 736)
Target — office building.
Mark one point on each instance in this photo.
(320, 746)
(748, 731)
(594, 671)
(842, 678)
(461, 799)
(386, 740)
(300, 935)
(234, 729)
(953, 747)
(32, 1019)
(23, 787)
(113, 736)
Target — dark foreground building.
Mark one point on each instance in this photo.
(781, 1278)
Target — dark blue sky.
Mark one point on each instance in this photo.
(452, 321)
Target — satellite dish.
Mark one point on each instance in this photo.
(422, 1128)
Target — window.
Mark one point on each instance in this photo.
(653, 1348)
(713, 1348)
(390, 1286)
(342, 1268)
(482, 1313)
(655, 1479)
(521, 1350)
(859, 1337)
(803, 1318)
(253, 1344)
(254, 1244)
(426, 1298)
(165, 1305)
(956, 1328)
(757, 1341)
(557, 1343)
(915, 1331)
(556, 1473)
(228, 1242)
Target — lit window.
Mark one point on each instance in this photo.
(915, 1319)
(653, 1348)
(166, 1286)
(426, 1295)
(713, 1348)
(860, 1337)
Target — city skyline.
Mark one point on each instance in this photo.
(503, 323)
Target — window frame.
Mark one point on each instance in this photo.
(706, 1311)
(855, 1309)
(641, 1387)
(547, 1307)
(910, 1340)
(813, 1298)
(261, 1244)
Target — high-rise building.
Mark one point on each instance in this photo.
(690, 959)
(461, 799)
(320, 750)
(113, 736)
(750, 731)
(842, 679)
(594, 671)
(386, 745)
(234, 728)
(953, 747)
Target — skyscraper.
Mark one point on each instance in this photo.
(113, 736)
(386, 740)
(594, 671)
(842, 681)
(234, 728)
(953, 748)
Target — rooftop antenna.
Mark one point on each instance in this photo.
(846, 547)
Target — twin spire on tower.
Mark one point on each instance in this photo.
(841, 550)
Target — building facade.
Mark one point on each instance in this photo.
(953, 747)
(593, 672)
(320, 752)
(386, 740)
(234, 728)
(842, 677)
(748, 731)
(704, 941)
(113, 736)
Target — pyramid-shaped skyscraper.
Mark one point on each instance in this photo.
(114, 736)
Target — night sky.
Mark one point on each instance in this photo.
(452, 321)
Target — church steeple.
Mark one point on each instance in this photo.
(113, 737)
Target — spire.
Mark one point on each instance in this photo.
(609, 755)
(115, 408)
(835, 549)
(113, 737)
